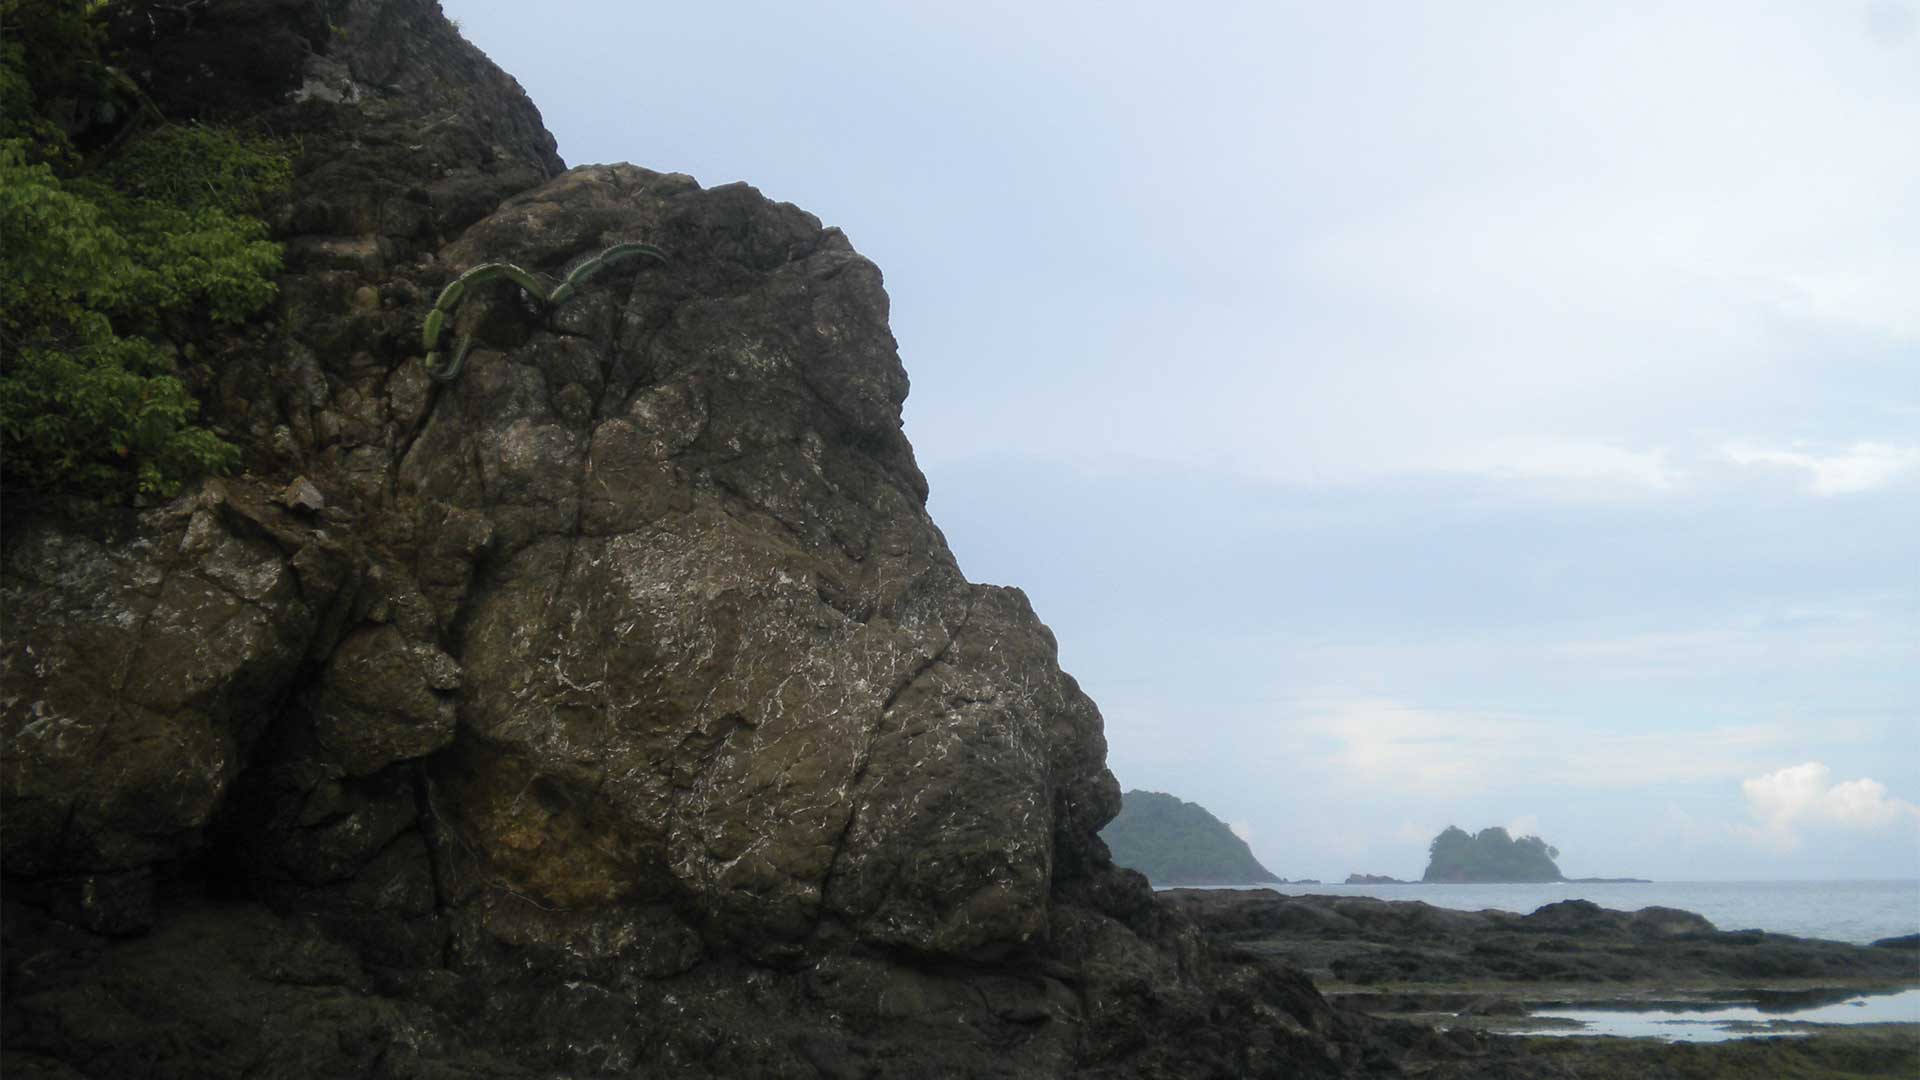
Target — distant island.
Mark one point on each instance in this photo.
(1490, 856)
(1174, 842)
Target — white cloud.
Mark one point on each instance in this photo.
(1391, 744)
(1787, 801)
(1684, 829)
(1397, 746)
(1416, 834)
(1863, 466)
(1569, 468)
(1815, 639)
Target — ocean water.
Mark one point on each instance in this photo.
(1857, 911)
(1720, 1022)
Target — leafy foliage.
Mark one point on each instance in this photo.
(52, 76)
(196, 168)
(1490, 855)
(1175, 842)
(111, 262)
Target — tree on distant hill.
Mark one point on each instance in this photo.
(1490, 855)
(1175, 842)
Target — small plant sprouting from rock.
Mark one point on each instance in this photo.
(546, 297)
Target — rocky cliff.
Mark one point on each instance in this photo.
(614, 707)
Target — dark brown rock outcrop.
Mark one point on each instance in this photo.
(615, 708)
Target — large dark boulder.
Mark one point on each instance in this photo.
(615, 708)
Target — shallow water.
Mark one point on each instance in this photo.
(1720, 1023)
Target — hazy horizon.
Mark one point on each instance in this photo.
(1403, 415)
(1413, 876)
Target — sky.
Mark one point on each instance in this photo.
(1404, 414)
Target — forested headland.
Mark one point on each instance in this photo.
(1174, 842)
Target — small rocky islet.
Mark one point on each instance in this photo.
(1491, 856)
(616, 708)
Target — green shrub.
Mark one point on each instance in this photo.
(102, 411)
(110, 262)
(202, 168)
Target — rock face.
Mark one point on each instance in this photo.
(711, 629)
(614, 707)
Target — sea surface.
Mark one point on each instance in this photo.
(1717, 1023)
(1856, 911)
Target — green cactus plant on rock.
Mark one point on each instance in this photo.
(534, 286)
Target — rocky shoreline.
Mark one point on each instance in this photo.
(615, 709)
(1485, 978)
(1261, 984)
